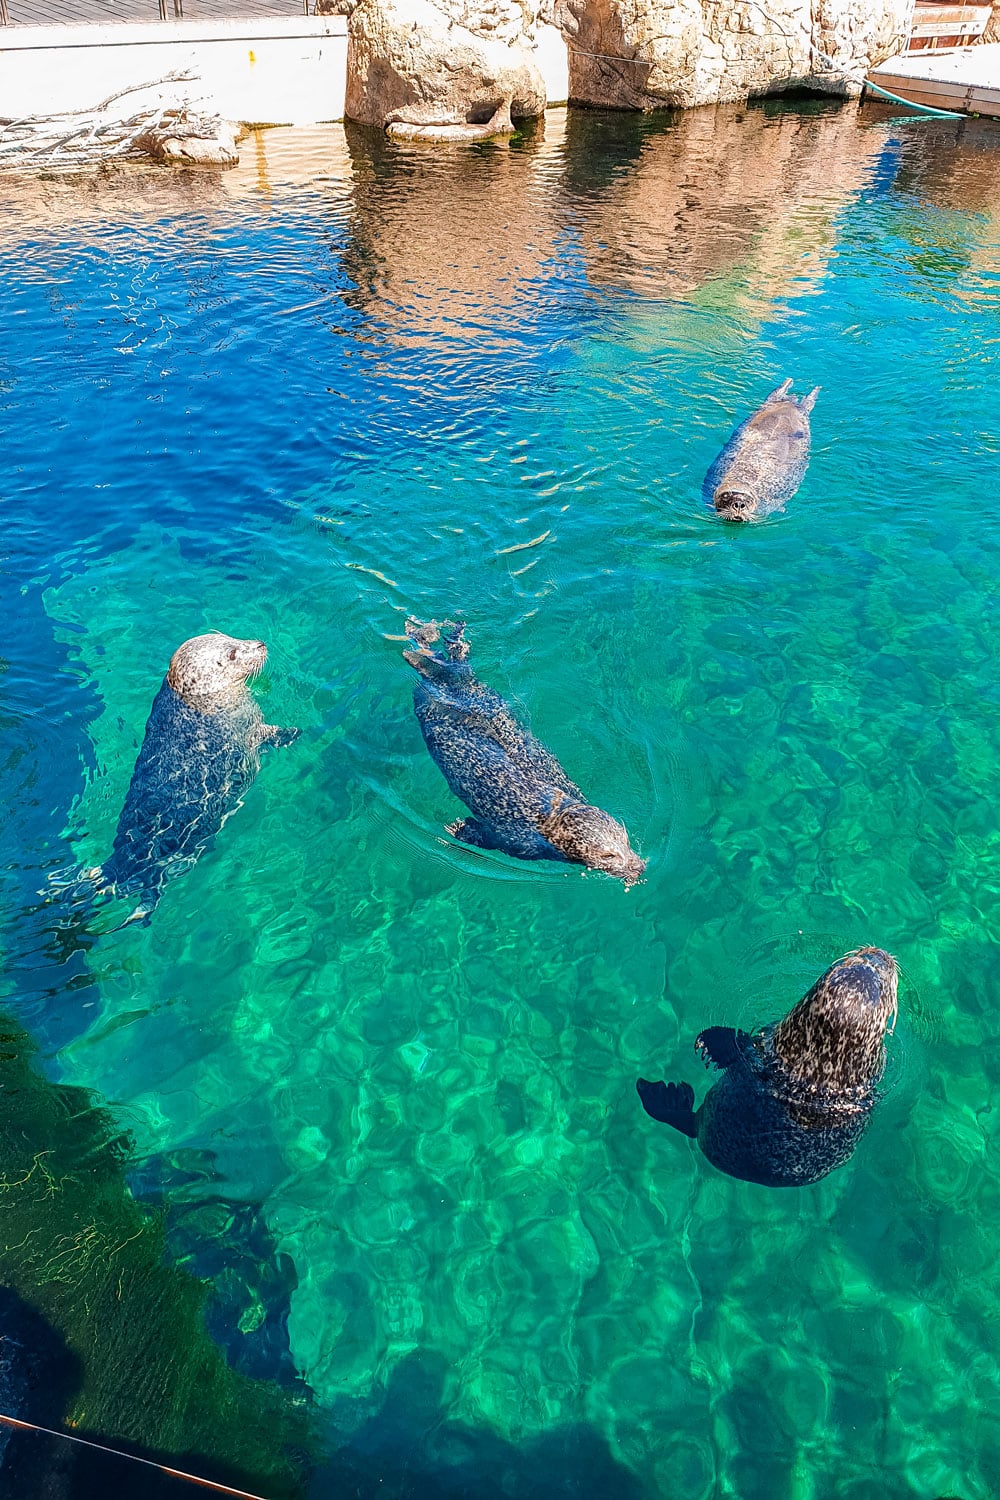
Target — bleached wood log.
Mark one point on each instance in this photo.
(170, 126)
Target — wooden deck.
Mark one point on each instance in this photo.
(966, 79)
(91, 12)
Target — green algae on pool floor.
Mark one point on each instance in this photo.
(353, 381)
(138, 1370)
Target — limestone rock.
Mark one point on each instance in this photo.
(440, 62)
(499, 124)
(664, 54)
(212, 147)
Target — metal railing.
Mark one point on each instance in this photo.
(170, 10)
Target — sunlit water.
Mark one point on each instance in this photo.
(348, 382)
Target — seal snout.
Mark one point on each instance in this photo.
(257, 652)
(623, 863)
(634, 870)
(734, 505)
(872, 967)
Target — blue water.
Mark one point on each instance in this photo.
(351, 381)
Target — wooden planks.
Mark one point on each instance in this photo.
(956, 24)
(967, 79)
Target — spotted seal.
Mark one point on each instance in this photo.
(765, 459)
(794, 1099)
(521, 799)
(199, 757)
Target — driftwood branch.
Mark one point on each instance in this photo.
(87, 137)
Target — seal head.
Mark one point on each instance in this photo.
(589, 836)
(210, 672)
(735, 505)
(833, 1041)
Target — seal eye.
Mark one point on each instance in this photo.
(232, 654)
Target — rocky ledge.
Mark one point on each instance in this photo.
(441, 69)
(452, 69)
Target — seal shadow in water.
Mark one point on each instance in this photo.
(796, 1097)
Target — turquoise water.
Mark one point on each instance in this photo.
(349, 382)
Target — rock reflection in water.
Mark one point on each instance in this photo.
(656, 206)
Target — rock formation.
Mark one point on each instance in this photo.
(203, 143)
(665, 54)
(441, 63)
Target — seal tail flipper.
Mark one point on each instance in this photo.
(670, 1103)
(808, 402)
(719, 1045)
(780, 392)
(430, 663)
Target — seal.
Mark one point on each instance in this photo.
(795, 1098)
(521, 799)
(765, 459)
(199, 757)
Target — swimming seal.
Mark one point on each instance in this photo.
(794, 1099)
(522, 800)
(765, 460)
(199, 757)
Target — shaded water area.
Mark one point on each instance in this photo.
(377, 1089)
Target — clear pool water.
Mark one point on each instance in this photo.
(351, 381)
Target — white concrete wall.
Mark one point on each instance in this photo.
(552, 58)
(275, 72)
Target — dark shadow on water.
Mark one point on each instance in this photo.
(136, 1366)
(410, 1450)
(227, 1244)
(104, 1335)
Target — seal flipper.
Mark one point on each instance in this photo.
(780, 392)
(519, 839)
(670, 1103)
(720, 1045)
(808, 402)
(474, 831)
(274, 735)
(428, 662)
